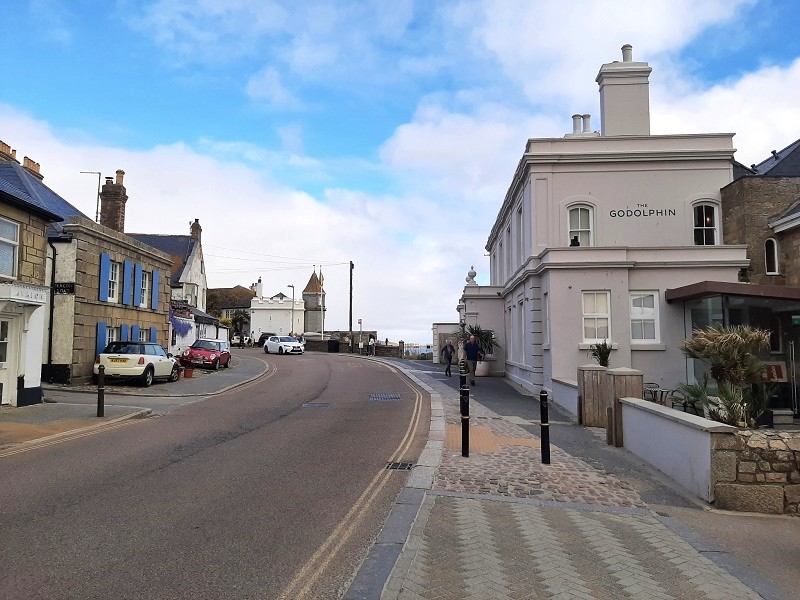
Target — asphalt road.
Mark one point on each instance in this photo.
(249, 494)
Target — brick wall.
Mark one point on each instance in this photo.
(32, 244)
(747, 206)
(757, 471)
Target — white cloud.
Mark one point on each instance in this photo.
(266, 85)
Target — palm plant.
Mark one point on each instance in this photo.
(601, 352)
(732, 356)
(483, 337)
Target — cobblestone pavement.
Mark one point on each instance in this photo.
(499, 524)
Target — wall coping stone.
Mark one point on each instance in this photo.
(693, 421)
(592, 367)
(568, 382)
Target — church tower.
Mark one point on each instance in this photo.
(314, 299)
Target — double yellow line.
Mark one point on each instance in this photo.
(320, 561)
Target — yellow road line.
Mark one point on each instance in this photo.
(321, 560)
(67, 438)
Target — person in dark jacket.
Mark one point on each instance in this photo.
(473, 355)
(448, 353)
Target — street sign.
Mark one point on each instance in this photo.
(64, 288)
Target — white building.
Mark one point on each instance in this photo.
(276, 314)
(594, 229)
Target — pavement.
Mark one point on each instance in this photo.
(69, 411)
(595, 523)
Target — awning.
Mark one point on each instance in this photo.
(704, 289)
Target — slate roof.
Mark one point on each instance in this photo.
(18, 184)
(313, 286)
(791, 210)
(179, 247)
(203, 317)
(229, 298)
(785, 163)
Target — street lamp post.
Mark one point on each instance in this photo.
(291, 329)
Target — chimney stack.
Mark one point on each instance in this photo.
(113, 197)
(576, 124)
(32, 167)
(624, 96)
(587, 126)
(195, 229)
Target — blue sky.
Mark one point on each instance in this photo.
(380, 132)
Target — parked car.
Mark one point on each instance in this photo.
(207, 353)
(283, 344)
(263, 338)
(143, 361)
(241, 340)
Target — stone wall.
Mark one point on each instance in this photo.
(747, 206)
(32, 248)
(757, 471)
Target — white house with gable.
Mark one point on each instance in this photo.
(276, 314)
(594, 229)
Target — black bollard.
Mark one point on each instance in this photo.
(545, 427)
(462, 373)
(464, 396)
(101, 390)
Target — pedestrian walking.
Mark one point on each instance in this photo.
(473, 355)
(448, 352)
(372, 346)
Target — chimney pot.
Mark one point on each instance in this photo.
(120, 175)
(774, 154)
(109, 181)
(587, 127)
(13, 154)
(576, 123)
(627, 53)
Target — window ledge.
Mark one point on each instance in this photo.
(653, 346)
(585, 346)
(546, 346)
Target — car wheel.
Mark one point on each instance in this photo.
(173, 376)
(228, 363)
(215, 365)
(280, 350)
(266, 350)
(147, 377)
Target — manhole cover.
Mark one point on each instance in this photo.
(399, 466)
(385, 397)
(317, 405)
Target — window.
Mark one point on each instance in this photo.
(114, 276)
(705, 225)
(520, 236)
(509, 247)
(113, 332)
(596, 317)
(501, 275)
(143, 335)
(771, 256)
(145, 289)
(3, 341)
(9, 242)
(644, 317)
(580, 225)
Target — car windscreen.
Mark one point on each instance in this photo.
(288, 339)
(205, 345)
(123, 348)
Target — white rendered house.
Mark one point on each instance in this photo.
(278, 314)
(594, 229)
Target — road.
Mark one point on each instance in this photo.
(274, 489)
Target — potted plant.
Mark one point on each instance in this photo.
(486, 342)
(601, 352)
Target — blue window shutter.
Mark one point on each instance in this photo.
(123, 333)
(102, 336)
(154, 299)
(127, 276)
(154, 334)
(137, 284)
(134, 333)
(105, 273)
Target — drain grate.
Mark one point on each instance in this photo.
(385, 397)
(317, 405)
(399, 466)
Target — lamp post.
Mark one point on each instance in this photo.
(291, 329)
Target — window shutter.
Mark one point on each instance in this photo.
(123, 333)
(135, 333)
(137, 285)
(127, 276)
(102, 336)
(154, 294)
(105, 273)
(154, 334)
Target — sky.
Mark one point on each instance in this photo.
(305, 135)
